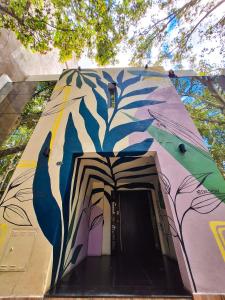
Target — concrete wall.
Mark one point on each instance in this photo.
(45, 199)
(19, 63)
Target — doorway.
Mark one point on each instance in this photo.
(133, 228)
(137, 262)
(136, 266)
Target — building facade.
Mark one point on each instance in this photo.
(103, 132)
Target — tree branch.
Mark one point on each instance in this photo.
(13, 150)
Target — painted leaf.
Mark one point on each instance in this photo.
(76, 229)
(192, 182)
(46, 208)
(108, 196)
(120, 177)
(57, 92)
(136, 169)
(107, 76)
(130, 81)
(16, 215)
(102, 108)
(200, 162)
(140, 103)
(165, 183)
(91, 125)
(123, 160)
(136, 185)
(178, 129)
(206, 203)
(103, 86)
(89, 82)
(64, 73)
(60, 107)
(91, 74)
(78, 81)
(20, 179)
(100, 178)
(96, 202)
(97, 169)
(143, 91)
(119, 132)
(76, 253)
(120, 77)
(137, 149)
(24, 194)
(71, 149)
(96, 221)
(70, 78)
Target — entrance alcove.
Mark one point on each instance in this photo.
(127, 248)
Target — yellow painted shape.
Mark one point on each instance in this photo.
(58, 88)
(3, 233)
(218, 228)
(27, 164)
(55, 127)
(59, 116)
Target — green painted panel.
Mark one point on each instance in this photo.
(195, 160)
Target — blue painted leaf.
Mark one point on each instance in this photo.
(137, 149)
(70, 78)
(139, 92)
(91, 125)
(141, 103)
(107, 76)
(119, 132)
(45, 206)
(76, 253)
(64, 73)
(104, 86)
(89, 82)
(130, 81)
(79, 81)
(95, 75)
(71, 149)
(120, 77)
(102, 108)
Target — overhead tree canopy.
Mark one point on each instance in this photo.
(174, 28)
(72, 26)
(182, 30)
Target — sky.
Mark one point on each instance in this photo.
(124, 56)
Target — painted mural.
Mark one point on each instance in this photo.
(88, 144)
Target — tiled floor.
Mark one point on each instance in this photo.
(122, 276)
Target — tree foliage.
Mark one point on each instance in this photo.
(12, 148)
(204, 98)
(97, 26)
(178, 28)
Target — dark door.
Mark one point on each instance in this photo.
(133, 224)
